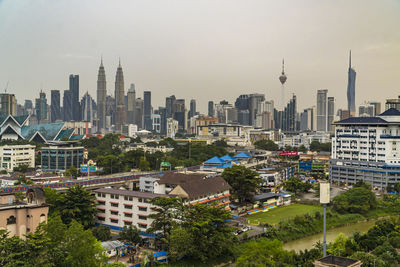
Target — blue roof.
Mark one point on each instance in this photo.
(49, 130)
(242, 155)
(77, 137)
(227, 158)
(160, 254)
(390, 112)
(66, 133)
(21, 119)
(214, 160)
(362, 120)
(227, 165)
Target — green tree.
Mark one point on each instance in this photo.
(268, 145)
(21, 168)
(144, 165)
(76, 204)
(296, 185)
(355, 200)
(130, 234)
(368, 260)
(181, 243)
(167, 212)
(263, 252)
(73, 172)
(208, 229)
(244, 182)
(102, 233)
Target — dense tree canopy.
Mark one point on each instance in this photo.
(268, 145)
(355, 200)
(296, 185)
(76, 204)
(130, 234)
(244, 182)
(317, 146)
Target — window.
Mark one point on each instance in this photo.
(128, 206)
(114, 196)
(128, 215)
(128, 198)
(140, 200)
(141, 217)
(127, 223)
(114, 220)
(113, 204)
(143, 226)
(142, 208)
(101, 218)
(114, 212)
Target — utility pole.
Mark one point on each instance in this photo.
(324, 199)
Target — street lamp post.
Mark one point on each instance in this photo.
(324, 199)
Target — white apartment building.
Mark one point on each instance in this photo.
(12, 156)
(120, 207)
(368, 149)
(172, 127)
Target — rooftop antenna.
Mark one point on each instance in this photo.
(5, 89)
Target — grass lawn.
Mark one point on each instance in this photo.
(276, 215)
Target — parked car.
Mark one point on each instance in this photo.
(246, 228)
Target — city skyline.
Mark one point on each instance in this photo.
(187, 60)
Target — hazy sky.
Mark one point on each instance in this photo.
(204, 49)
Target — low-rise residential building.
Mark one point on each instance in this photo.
(20, 218)
(146, 183)
(12, 156)
(61, 158)
(8, 180)
(220, 130)
(120, 207)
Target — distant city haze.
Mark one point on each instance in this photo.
(206, 50)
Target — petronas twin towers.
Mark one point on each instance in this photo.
(119, 108)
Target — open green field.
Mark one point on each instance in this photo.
(276, 215)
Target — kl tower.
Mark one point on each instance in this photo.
(283, 79)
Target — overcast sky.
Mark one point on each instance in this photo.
(204, 49)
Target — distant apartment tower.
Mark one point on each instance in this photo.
(28, 107)
(147, 110)
(101, 97)
(139, 113)
(55, 106)
(41, 107)
(366, 110)
(331, 113)
(192, 111)
(74, 88)
(393, 103)
(87, 107)
(170, 105)
(7, 104)
(322, 96)
(131, 104)
(67, 106)
(211, 112)
(180, 114)
(307, 120)
(377, 107)
(351, 89)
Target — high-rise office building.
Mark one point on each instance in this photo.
(192, 110)
(41, 107)
(74, 88)
(322, 96)
(307, 120)
(255, 102)
(163, 119)
(351, 89)
(139, 113)
(131, 104)
(377, 107)
(110, 111)
(147, 110)
(180, 114)
(67, 106)
(366, 110)
(170, 106)
(120, 115)
(55, 106)
(87, 107)
(331, 113)
(101, 97)
(28, 107)
(211, 112)
(7, 104)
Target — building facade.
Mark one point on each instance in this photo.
(351, 89)
(12, 156)
(120, 115)
(55, 106)
(59, 158)
(367, 149)
(101, 97)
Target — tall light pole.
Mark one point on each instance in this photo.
(324, 199)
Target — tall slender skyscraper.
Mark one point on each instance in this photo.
(67, 106)
(192, 111)
(101, 97)
(74, 88)
(322, 110)
(351, 89)
(331, 113)
(211, 108)
(41, 107)
(55, 106)
(148, 125)
(120, 115)
(7, 104)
